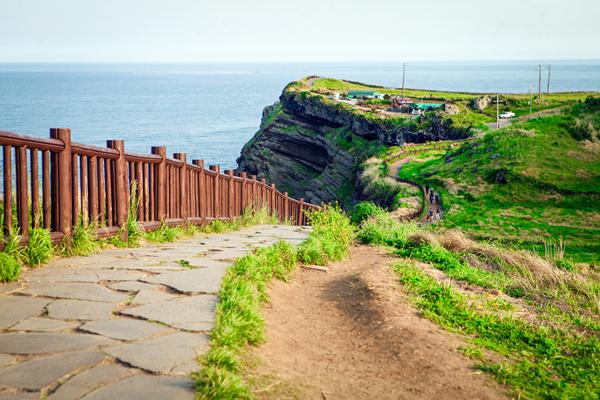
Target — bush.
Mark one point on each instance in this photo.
(84, 240)
(330, 238)
(9, 268)
(39, 247)
(364, 210)
(383, 229)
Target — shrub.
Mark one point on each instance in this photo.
(330, 238)
(39, 247)
(84, 240)
(164, 234)
(9, 268)
(364, 210)
(384, 229)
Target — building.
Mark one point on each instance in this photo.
(364, 94)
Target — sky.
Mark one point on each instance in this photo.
(297, 31)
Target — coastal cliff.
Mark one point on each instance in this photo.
(313, 147)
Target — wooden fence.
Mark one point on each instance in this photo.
(53, 182)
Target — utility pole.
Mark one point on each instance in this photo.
(403, 76)
(497, 111)
(530, 99)
(549, 73)
(539, 83)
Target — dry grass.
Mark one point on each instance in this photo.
(537, 276)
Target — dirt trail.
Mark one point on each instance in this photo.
(351, 334)
(434, 206)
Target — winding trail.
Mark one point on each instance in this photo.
(120, 324)
(434, 206)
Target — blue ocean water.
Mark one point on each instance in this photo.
(210, 111)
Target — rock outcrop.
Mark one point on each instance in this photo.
(312, 147)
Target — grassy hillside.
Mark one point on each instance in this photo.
(531, 184)
(516, 102)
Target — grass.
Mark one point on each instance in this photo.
(244, 289)
(541, 363)
(526, 184)
(330, 238)
(39, 247)
(566, 297)
(9, 268)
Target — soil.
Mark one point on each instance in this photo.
(351, 333)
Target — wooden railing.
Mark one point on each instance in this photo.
(52, 183)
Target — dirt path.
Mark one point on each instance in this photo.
(434, 206)
(351, 334)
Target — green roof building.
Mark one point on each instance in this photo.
(364, 94)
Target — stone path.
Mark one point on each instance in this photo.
(121, 324)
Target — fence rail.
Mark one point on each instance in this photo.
(52, 182)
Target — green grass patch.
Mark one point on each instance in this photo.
(330, 238)
(39, 247)
(543, 363)
(9, 268)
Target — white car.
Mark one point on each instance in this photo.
(506, 115)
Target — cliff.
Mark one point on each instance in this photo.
(313, 146)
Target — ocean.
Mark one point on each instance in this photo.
(209, 111)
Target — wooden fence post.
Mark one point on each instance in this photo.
(160, 189)
(217, 190)
(230, 199)
(263, 192)
(243, 191)
(120, 184)
(301, 212)
(64, 205)
(253, 195)
(183, 196)
(22, 195)
(286, 203)
(273, 208)
(201, 189)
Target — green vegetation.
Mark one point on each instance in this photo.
(541, 362)
(541, 320)
(526, 184)
(243, 290)
(84, 239)
(39, 247)
(364, 210)
(330, 238)
(9, 268)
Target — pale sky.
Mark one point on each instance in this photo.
(308, 30)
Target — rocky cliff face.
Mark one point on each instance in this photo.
(313, 148)
(296, 152)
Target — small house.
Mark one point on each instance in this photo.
(364, 94)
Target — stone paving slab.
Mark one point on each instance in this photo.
(90, 379)
(146, 387)
(35, 324)
(123, 328)
(131, 286)
(75, 291)
(17, 308)
(194, 313)
(39, 343)
(163, 354)
(151, 296)
(80, 310)
(37, 373)
(197, 280)
(100, 327)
